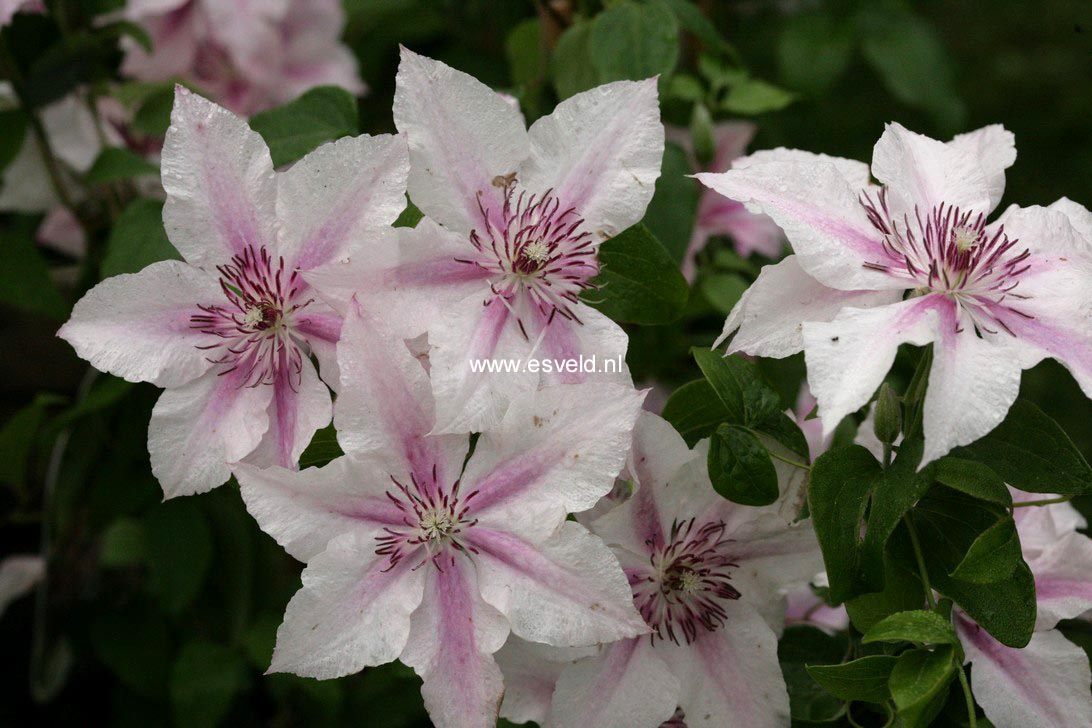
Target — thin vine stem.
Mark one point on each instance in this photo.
(972, 719)
(794, 463)
(1044, 501)
(920, 558)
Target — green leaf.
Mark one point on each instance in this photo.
(123, 544)
(691, 19)
(841, 482)
(910, 57)
(919, 684)
(409, 217)
(814, 51)
(800, 646)
(993, 556)
(913, 626)
(1030, 451)
(634, 41)
(740, 467)
(138, 239)
(126, 29)
(639, 282)
(154, 115)
(117, 163)
(753, 96)
(205, 679)
(902, 591)
(973, 478)
(72, 61)
(18, 437)
(523, 47)
(24, 277)
(179, 553)
(135, 643)
(694, 410)
(572, 67)
(322, 449)
(723, 291)
(104, 393)
(323, 114)
(864, 679)
(747, 399)
(13, 131)
(674, 206)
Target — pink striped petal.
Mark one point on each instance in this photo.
(462, 138)
(353, 611)
(566, 591)
(1043, 685)
(1063, 579)
(627, 685)
(137, 326)
(198, 429)
(769, 319)
(337, 194)
(297, 410)
(221, 192)
(731, 678)
(453, 636)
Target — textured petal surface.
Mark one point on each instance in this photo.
(626, 685)
(462, 136)
(304, 510)
(731, 678)
(352, 612)
(769, 318)
(848, 357)
(199, 428)
(1043, 685)
(452, 640)
(600, 151)
(567, 591)
(221, 191)
(557, 451)
(819, 210)
(530, 673)
(297, 410)
(995, 149)
(337, 194)
(137, 326)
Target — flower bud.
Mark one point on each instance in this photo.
(888, 420)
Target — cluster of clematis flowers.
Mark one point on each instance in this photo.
(915, 259)
(249, 56)
(422, 543)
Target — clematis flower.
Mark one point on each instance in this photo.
(915, 260)
(707, 576)
(806, 607)
(411, 555)
(229, 332)
(1045, 684)
(248, 56)
(516, 219)
(718, 215)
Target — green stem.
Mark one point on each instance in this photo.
(794, 463)
(1044, 502)
(920, 558)
(972, 719)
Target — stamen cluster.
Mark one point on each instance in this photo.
(433, 518)
(689, 579)
(255, 324)
(950, 251)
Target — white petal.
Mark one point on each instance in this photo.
(199, 428)
(1063, 578)
(352, 612)
(18, 575)
(769, 317)
(453, 636)
(627, 685)
(1043, 685)
(385, 410)
(530, 673)
(821, 214)
(137, 326)
(600, 151)
(337, 194)
(596, 344)
(1079, 217)
(848, 357)
(555, 452)
(462, 136)
(730, 677)
(924, 172)
(566, 591)
(855, 172)
(972, 383)
(221, 192)
(995, 149)
(304, 510)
